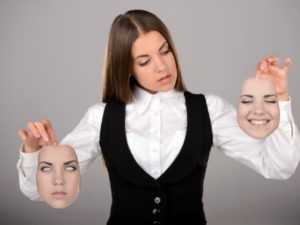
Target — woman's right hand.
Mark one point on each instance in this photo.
(37, 135)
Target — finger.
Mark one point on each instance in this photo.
(29, 140)
(287, 64)
(50, 131)
(265, 59)
(258, 66)
(258, 74)
(263, 67)
(42, 130)
(273, 60)
(22, 134)
(33, 129)
(278, 70)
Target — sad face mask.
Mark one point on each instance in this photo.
(58, 175)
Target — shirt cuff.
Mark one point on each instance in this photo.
(28, 159)
(285, 110)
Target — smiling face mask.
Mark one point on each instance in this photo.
(258, 110)
(58, 175)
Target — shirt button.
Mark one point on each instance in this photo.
(155, 211)
(157, 200)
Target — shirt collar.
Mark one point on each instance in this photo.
(142, 99)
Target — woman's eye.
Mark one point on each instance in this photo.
(165, 51)
(46, 169)
(143, 63)
(70, 168)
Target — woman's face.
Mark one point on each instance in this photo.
(258, 111)
(58, 175)
(154, 65)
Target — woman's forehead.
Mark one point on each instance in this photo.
(147, 42)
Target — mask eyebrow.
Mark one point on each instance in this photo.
(47, 163)
(72, 161)
(249, 96)
(270, 95)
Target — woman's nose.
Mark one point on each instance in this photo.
(160, 64)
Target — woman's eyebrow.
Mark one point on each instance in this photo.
(71, 161)
(140, 56)
(163, 45)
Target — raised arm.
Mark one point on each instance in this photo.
(84, 139)
(275, 156)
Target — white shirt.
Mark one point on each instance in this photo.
(155, 130)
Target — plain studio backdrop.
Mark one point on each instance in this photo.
(51, 59)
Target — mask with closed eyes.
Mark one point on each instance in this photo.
(258, 111)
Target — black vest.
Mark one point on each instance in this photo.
(175, 198)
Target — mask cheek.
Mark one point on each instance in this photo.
(75, 187)
(242, 113)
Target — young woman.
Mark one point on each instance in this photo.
(155, 136)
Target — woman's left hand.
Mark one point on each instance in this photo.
(270, 67)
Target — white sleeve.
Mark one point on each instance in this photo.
(274, 157)
(85, 141)
(26, 166)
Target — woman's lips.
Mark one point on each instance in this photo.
(165, 79)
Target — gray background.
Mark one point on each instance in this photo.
(51, 57)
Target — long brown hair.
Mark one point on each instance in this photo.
(118, 83)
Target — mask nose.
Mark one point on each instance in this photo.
(258, 108)
(58, 178)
